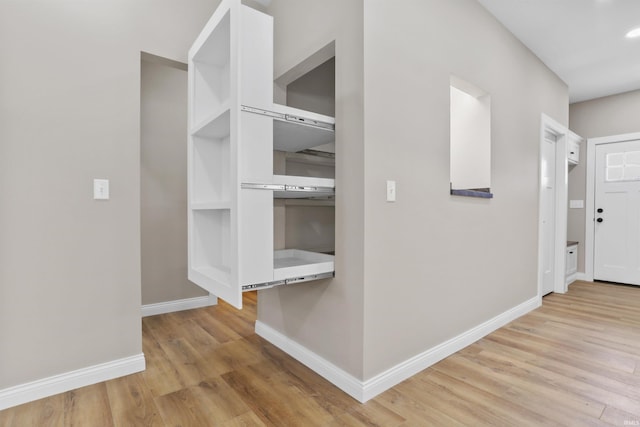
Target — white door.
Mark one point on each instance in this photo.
(548, 171)
(617, 213)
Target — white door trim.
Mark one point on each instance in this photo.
(561, 186)
(589, 232)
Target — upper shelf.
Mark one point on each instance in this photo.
(295, 129)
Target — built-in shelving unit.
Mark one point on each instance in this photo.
(234, 128)
(573, 148)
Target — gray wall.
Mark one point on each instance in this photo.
(327, 316)
(611, 115)
(438, 265)
(415, 273)
(315, 90)
(70, 112)
(163, 182)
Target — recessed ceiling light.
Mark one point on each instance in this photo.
(633, 33)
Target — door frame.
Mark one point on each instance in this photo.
(547, 124)
(589, 217)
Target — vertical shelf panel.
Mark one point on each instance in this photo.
(213, 152)
(230, 229)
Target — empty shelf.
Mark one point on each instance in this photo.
(293, 263)
(296, 130)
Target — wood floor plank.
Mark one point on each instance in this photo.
(415, 410)
(509, 411)
(248, 419)
(565, 408)
(555, 358)
(209, 321)
(575, 361)
(47, 412)
(586, 351)
(160, 375)
(336, 402)
(273, 399)
(210, 402)
(88, 406)
(566, 382)
(370, 414)
(617, 417)
(132, 402)
(438, 398)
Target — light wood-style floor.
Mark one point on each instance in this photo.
(575, 362)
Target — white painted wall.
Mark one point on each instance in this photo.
(70, 112)
(412, 274)
(438, 265)
(327, 317)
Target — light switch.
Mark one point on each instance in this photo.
(576, 204)
(101, 189)
(391, 191)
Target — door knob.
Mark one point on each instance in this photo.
(599, 219)
(600, 210)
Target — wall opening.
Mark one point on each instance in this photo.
(470, 139)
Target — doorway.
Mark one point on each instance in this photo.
(163, 189)
(613, 209)
(552, 214)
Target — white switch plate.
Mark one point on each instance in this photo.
(576, 204)
(391, 191)
(101, 189)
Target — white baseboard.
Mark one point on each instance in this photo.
(56, 384)
(365, 390)
(410, 367)
(582, 276)
(178, 305)
(341, 379)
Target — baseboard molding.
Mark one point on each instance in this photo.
(341, 379)
(365, 390)
(410, 367)
(581, 276)
(56, 384)
(178, 305)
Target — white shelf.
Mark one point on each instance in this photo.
(217, 125)
(295, 129)
(224, 204)
(234, 127)
(308, 132)
(292, 263)
(212, 274)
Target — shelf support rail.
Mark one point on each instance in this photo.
(281, 187)
(289, 118)
(268, 285)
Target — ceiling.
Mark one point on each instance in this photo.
(582, 41)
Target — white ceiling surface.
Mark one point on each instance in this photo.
(582, 41)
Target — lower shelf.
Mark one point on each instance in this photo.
(296, 266)
(289, 263)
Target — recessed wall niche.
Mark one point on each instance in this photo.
(470, 140)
